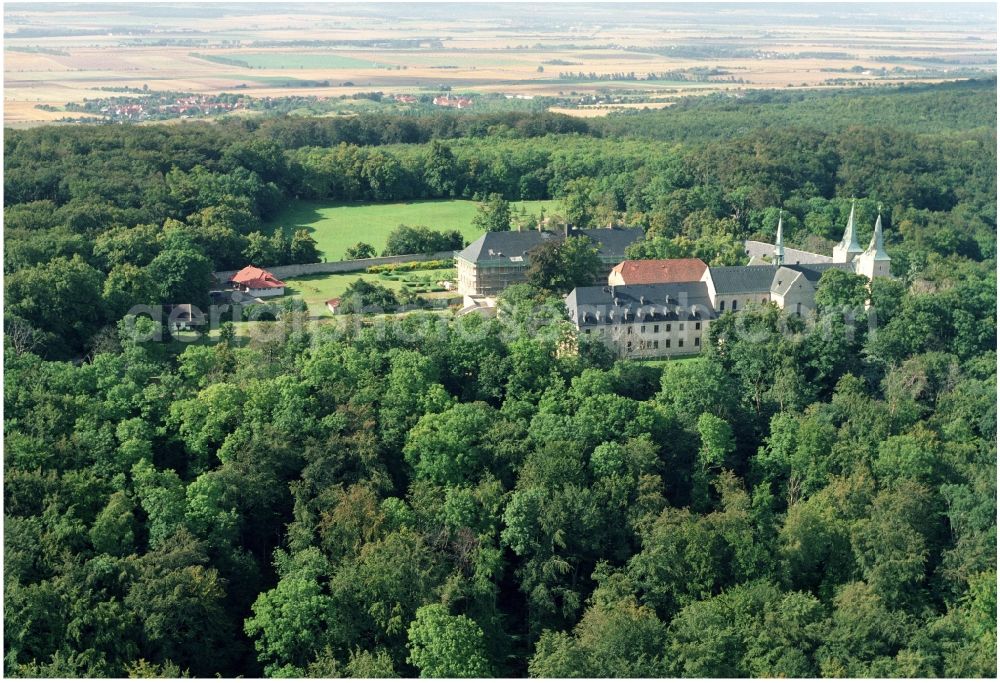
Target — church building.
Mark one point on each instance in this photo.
(648, 319)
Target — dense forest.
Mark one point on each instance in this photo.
(465, 497)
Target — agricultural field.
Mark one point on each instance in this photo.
(335, 51)
(335, 227)
(317, 289)
(294, 60)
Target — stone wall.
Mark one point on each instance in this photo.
(338, 266)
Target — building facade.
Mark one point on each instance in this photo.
(500, 259)
(646, 320)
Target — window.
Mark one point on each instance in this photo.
(798, 308)
(667, 327)
(680, 343)
(697, 326)
(734, 304)
(763, 301)
(697, 341)
(629, 330)
(666, 343)
(628, 346)
(587, 331)
(656, 344)
(656, 328)
(680, 327)
(642, 329)
(722, 305)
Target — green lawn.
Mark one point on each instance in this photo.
(317, 289)
(663, 362)
(335, 227)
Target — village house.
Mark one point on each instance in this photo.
(641, 318)
(257, 282)
(453, 102)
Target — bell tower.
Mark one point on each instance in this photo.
(873, 261)
(848, 248)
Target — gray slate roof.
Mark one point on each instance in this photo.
(759, 250)
(673, 301)
(814, 271)
(733, 279)
(611, 243)
(784, 278)
(495, 245)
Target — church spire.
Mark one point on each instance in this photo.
(848, 247)
(779, 245)
(876, 247)
(874, 261)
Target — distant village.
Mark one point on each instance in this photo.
(137, 105)
(144, 106)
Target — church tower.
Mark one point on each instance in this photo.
(779, 245)
(874, 262)
(848, 247)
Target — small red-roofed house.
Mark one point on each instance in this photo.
(333, 305)
(257, 282)
(657, 271)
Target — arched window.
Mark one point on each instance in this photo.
(722, 305)
(734, 304)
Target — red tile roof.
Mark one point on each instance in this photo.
(653, 272)
(256, 278)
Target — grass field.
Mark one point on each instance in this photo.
(317, 289)
(335, 227)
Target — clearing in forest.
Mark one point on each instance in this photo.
(337, 226)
